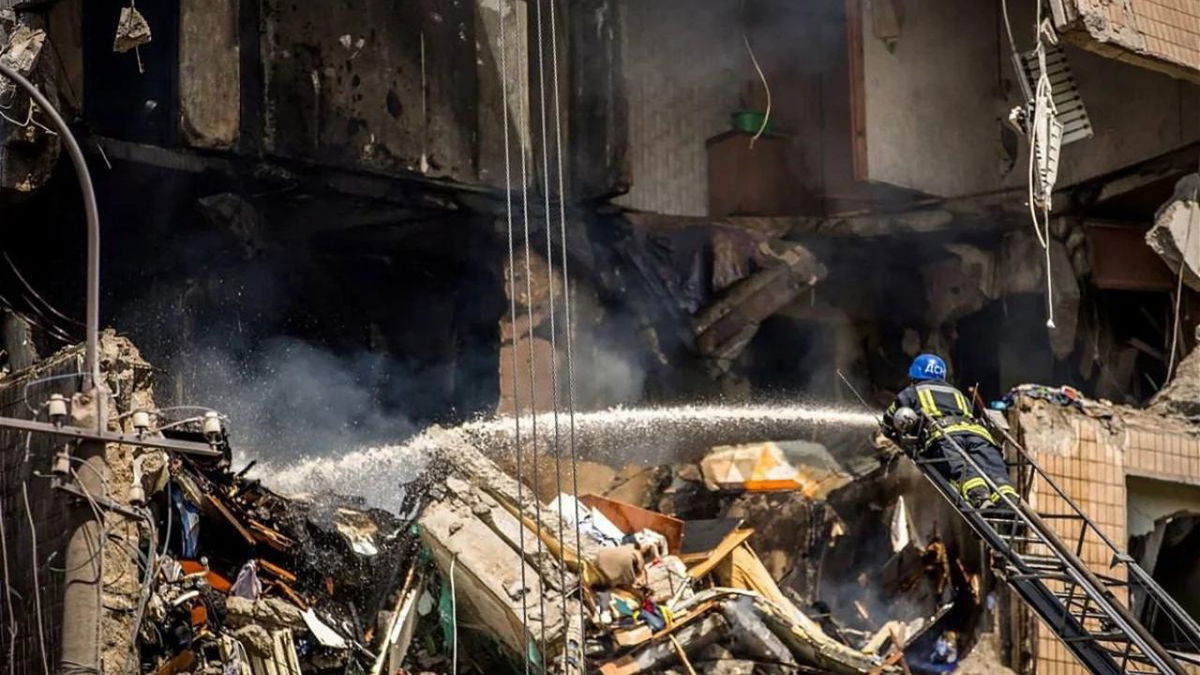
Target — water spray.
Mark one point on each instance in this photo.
(617, 436)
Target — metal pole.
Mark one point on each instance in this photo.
(83, 584)
(91, 355)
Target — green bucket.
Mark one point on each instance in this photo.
(750, 121)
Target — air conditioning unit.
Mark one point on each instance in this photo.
(1065, 92)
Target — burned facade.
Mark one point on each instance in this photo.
(340, 223)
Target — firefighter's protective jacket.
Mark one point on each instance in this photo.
(945, 409)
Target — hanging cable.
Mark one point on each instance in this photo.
(49, 329)
(454, 617)
(566, 281)
(512, 309)
(1012, 43)
(34, 293)
(1043, 108)
(546, 219)
(761, 76)
(523, 113)
(37, 585)
(1187, 240)
(12, 617)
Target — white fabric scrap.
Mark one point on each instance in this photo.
(593, 522)
(247, 584)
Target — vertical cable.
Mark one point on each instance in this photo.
(533, 414)
(454, 616)
(512, 299)
(37, 585)
(1183, 254)
(562, 221)
(562, 551)
(12, 618)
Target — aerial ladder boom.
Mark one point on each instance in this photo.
(1091, 613)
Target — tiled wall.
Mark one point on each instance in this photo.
(685, 68)
(1092, 472)
(1171, 29)
(1165, 29)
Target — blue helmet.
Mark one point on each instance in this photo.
(927, 367)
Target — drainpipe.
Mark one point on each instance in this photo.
(83, 584)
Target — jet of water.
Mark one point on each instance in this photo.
(653, 435)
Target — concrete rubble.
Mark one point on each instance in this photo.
(749, 558)
(224, 575)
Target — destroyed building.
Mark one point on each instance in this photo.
(340, 223)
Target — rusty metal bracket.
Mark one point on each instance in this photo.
(186, 447)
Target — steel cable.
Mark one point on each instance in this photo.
(537, 504)
(562, 221)
(37, 586)
(546, 220)
(12, 617)
(512, 299)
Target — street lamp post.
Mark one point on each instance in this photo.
(91, 355)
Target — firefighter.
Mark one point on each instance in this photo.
(943, 411)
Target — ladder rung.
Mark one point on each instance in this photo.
(1060, 516)
(1097, 637)
(1073, 610)
(1031, 559)
(1048, 577)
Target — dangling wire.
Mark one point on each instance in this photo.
(1187, 243)
(533, 414)
(454, 616)
(37, 586)
(566, 279)
(546, 219)
(761, 76)
(12, 617)
(512, 298)
(1043, 104)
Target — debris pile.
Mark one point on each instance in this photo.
(596, 584)
(748, 559)
(238, 579)
(481, 575)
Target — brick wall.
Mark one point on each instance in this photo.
(1164, 31)
(1171, 29)
(685, 68)
(1090, 462)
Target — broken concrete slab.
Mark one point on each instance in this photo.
(1175, 236)
(724, 328)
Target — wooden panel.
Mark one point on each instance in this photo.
(1121, 260)
(753, 180)
(632, 519)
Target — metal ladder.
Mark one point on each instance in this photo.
(1089, 612)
